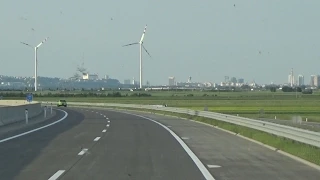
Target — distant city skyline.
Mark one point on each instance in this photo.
(257, 41)
(300, 79)
(93, 81)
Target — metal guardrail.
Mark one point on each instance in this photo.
(300, 135)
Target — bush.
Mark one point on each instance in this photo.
(307, 91)
(140, 95)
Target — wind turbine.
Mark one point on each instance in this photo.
(35, 60)
(141, 46)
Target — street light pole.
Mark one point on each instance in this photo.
(35, 69)
(36, 62)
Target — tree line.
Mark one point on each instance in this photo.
(292, 89)
(89, 94)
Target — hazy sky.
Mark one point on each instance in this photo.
(204, 39)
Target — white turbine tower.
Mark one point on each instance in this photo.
(35, 61)
(141, 46)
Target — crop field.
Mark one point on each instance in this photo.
(256, 104)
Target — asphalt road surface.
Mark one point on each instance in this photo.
(91, 145)
(230, 157)
(102, 144)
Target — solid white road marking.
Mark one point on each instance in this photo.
(82, 152)
(37, 129)
(56, 175)
(96, 139)
(104, 130)
(213, 166)
(194, 158)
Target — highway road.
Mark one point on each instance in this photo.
(103, 144)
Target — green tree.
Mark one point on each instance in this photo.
(273, 89)
(287, 89)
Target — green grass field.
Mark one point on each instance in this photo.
(247, 104)
(253, 104)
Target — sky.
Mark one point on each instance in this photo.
(206, 39)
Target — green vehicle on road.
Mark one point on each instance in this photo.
(62, 103)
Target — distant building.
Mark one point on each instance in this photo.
(208, 84)
(106, 77)
(87, 76)
(312, 80)
(127, 81)
(233, 80)
(189, 79)
(300, 80)
(189, 84)
(148, 83)
(226, 79)
(291, 78)
(240, 80)
(316, 81)
(134, 82)
(172, 81)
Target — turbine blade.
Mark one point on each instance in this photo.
(43, 41)
(145, 50)
(144, 32)
(26, 44)
(130, 44)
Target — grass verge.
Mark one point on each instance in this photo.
(304, 151)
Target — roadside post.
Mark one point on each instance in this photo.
(45, 111)
(51, 108)
(26, 112)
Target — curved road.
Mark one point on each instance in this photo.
(102, 144)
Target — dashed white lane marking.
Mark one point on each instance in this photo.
(82, 152)
(56, 175)
(92, 111)
(205, 172)
(108, 121)
(107, 118)
(96, 139)
(96, 112)
(185, 138)
(104, 116)
(101, 114)
(213, 166)
(108, 125)
(104, 130)
(169, 126)
(34, 130)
